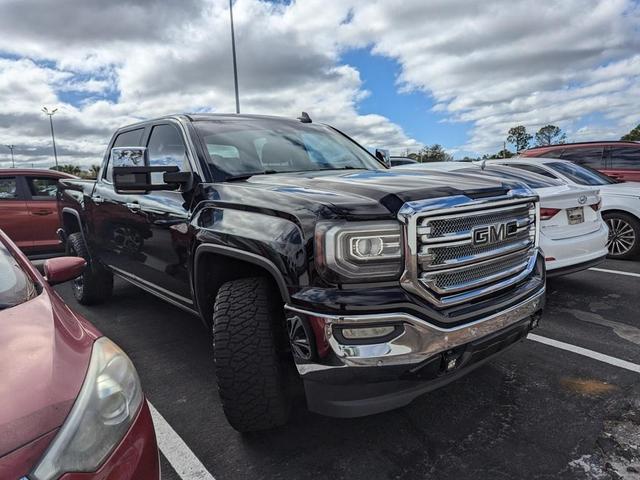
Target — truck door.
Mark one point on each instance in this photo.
(165, 216)
(117, 231)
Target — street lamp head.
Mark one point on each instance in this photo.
(48, 112)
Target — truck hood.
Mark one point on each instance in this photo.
(44, 355)
(364, 192)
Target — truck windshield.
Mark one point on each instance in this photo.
(15, 285)
(243, 147)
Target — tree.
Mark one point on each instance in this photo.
(93, 171)
(434, 153)
(633, 135)
(519, 137)
(68, 168)
(550, 135)
(504, 153)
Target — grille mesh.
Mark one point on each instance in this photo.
(472, 274)
(448, 226)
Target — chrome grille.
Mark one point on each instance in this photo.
(450, 268)
(455, 280)
(435, 256)
(439, 228)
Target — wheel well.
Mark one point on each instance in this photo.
(70, 223)
(214, 269)
(604, 212)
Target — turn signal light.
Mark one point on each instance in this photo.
(596, 206)
(548, 213)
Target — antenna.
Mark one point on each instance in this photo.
(305, 118)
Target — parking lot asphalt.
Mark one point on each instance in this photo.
(537, 411)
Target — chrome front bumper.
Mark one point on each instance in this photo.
(417, 340)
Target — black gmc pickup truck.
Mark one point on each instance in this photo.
(297, 247)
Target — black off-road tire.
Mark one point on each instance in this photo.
(95, 285)
(251, 374)
(624, 235)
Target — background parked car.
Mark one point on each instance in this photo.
(573, 236)
(29, 208)
(396, 161)
(619, 160)
(620, 200)
(70, 399)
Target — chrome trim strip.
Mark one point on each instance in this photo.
(420, 339)
(424, 257)
(151, 287)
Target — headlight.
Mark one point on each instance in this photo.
(107, 404)
(359, 251)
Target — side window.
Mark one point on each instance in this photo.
(625, 158)
(8, 188)
(132, 138)
(43, 188)
(589, 156)
(532, 169)
(166, 148)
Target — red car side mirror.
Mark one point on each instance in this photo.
(62, 269)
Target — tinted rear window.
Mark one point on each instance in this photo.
(581, 175)
(587, 156)
(530, 179)
(132, 138)
(625, 158)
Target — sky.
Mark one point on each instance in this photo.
(392, 74)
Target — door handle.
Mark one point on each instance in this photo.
(133, 206)
(42, 212)
(98, 199)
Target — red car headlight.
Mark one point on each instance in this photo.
(106, 406)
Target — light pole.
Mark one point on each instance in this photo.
(233, 49)
(11, 147)
(53, 137)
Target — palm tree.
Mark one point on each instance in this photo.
(68, 168)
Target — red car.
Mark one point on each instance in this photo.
(29, 208)
(617, 159)
(71, 405)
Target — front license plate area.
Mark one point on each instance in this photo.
(575, 215)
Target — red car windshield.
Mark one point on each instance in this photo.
(15, 285)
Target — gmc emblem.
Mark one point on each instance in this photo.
(490, 234)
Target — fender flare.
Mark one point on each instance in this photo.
(76, 214)
(249, 257)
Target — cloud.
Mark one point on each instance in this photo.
(501, 63)
(489, 65)
(177, 60)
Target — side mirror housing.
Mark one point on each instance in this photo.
(62, 269)
(383, 156)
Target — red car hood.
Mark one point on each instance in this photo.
(44, 354)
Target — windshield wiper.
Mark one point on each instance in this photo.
(244, 176)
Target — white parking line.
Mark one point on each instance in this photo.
(617, 272)
(179, 455)
(586, 352)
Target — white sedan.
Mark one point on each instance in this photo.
(573, 235)
(620, 200)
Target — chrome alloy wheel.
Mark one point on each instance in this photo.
(622, 237)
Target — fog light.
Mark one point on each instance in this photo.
(366, 332)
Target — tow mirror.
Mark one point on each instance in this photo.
(131, 172)
(383, 156)
(62, 269)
